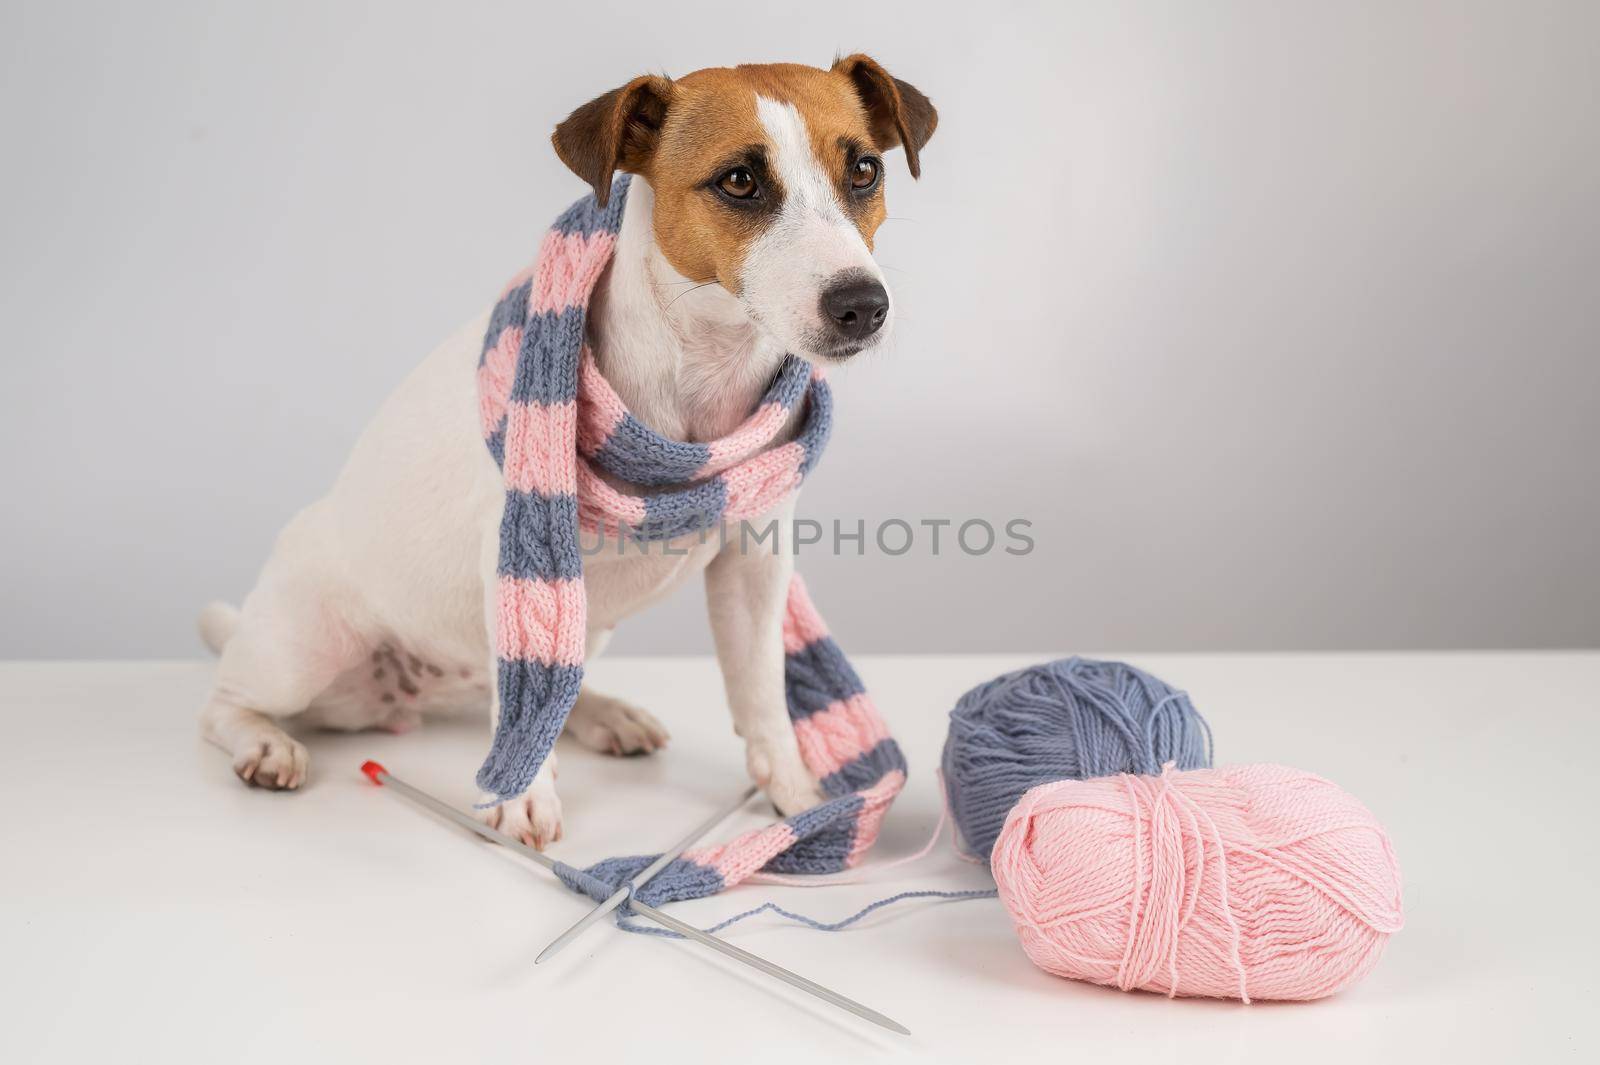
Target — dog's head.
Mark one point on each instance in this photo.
(768, 180)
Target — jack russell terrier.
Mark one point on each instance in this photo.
(756, 188)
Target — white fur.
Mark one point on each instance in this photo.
(811, 242)
(390, 575)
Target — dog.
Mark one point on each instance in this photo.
(747, 235)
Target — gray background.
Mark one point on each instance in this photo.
(1277, 320)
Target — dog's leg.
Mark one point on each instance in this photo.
(607, 724)
(287, 644)
(534, 817)
(747, 588)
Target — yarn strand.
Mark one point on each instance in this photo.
(807, 921)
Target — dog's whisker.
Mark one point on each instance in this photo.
(697, 288)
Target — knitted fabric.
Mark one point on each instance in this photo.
(553, 423)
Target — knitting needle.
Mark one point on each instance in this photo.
(381, 776)
(643, 876)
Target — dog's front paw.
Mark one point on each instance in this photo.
(273, 760)
(611, 726)
(783, 776)
(534, 817)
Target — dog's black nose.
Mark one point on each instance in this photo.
(856, 305)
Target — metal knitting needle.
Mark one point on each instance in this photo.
(380, 775)
(643, 876)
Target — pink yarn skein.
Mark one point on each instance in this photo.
(1251, 881)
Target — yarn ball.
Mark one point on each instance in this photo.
(1073, 718)
(1246, 882)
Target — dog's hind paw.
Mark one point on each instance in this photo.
(611, 726)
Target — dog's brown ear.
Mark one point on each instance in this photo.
(617, 131)
(898, 112)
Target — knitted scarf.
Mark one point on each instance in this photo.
(552, 423)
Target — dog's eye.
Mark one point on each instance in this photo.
(864, 174)
(738, 183)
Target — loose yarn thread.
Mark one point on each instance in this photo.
(1074, 718)
(598, 889)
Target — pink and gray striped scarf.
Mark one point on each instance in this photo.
(552, 423)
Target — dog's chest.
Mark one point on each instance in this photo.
(623, 576)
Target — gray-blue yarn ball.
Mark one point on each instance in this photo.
(1071, 719)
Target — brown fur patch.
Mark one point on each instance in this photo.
(682, 134)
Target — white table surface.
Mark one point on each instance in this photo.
(154, 909)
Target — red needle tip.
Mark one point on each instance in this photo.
(372, 769)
